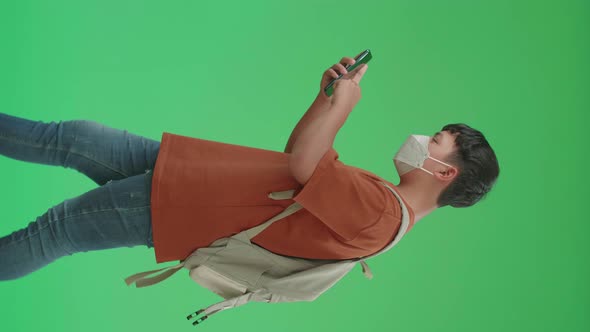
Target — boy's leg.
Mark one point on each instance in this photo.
(114, 215)
(100, 152)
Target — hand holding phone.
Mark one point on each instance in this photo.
(336, 72)
(347, 91)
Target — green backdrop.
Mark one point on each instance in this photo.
(244, 73)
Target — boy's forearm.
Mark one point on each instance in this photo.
(319, 105)
(315, 140)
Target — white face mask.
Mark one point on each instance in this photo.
(412, 154)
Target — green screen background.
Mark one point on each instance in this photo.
(244, 73)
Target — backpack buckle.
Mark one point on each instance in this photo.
(195, 314)
(200, 320)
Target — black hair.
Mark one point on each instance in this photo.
(477, 164)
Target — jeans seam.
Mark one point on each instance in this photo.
(66, 150)
(77, 215)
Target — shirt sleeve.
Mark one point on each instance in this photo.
(343, 198)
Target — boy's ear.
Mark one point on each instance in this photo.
(448, 174)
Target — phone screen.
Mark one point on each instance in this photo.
(364, 57)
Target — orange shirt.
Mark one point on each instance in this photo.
(204, 190)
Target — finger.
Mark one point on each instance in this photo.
(358, 73)
(350, 74)
(347, 61)
(333, 73)
(350, 61)
(340, 68)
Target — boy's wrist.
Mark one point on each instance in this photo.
(322, 97)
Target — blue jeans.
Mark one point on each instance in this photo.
(116, 214)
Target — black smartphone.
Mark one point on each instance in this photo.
(364, 57)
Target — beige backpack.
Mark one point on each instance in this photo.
(241, 271)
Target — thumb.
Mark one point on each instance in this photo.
(360, 71)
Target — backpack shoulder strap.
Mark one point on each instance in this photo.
(400, 233)
(141, 279)
(403, 227)
(277, 195)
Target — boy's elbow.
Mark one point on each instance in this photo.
(300, 169)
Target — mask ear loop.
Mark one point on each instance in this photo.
(442, 162)
(427, 171)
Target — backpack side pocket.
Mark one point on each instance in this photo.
(216, 282)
